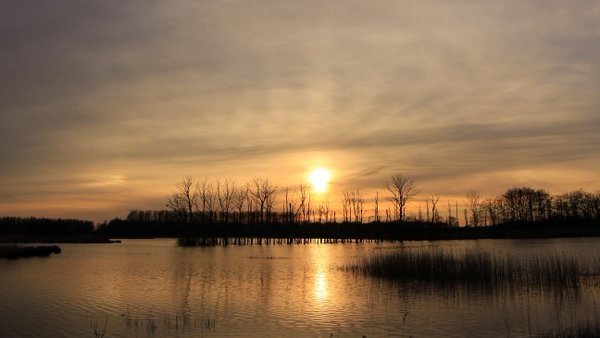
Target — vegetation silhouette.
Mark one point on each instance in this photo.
(45, 226)
(212, 211)
(476, 269)
(261, 209)
(48, 230)
(585, 330)
(14, 251)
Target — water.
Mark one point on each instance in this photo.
(152, 288)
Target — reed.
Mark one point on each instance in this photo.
(474, 268)
(582, 331)
(169, 324)
(98, 332)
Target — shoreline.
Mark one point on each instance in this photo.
(332, 231)
(91, 239)
(16, 251)
(336, 233)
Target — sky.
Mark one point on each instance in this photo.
(105, 105)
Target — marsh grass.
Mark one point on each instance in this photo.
(582, 331)
(474, 268)
(99, 332)
(169, 324)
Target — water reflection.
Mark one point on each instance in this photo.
(321, 287)
(319, 266)
(156, 288)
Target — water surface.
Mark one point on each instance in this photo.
(154, 288)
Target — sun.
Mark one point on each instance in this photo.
(319, 178)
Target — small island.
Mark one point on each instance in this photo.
(15, 251)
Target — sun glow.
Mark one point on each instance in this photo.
(319, 179)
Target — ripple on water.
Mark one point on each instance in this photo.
(269, 290)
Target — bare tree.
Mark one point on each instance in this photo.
(250, 205)
(402, 190)
(184, 199)
(205, 204)
(456, 212)
(289, 207)
(449, 214)
(239, 197)
(264, 193)
(303, 210)
(225, 196)
(347, 206)
(323, 211)
(434, 213)
(357, 201)
(376, 211)
(474, 204)
(176, 203)
(353, 206)
(326, 210)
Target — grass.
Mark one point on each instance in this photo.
(98, 332)
(582, 331)
(474, 268)
(169, 324)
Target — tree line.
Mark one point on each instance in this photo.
(525, 205)
(260, 206)
(256, 202)
(260, 201)
(44, 226)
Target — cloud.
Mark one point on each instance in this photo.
(447, 91)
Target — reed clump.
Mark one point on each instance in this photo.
(582, 331)
(169, 324)
(98, 332)
(473, 268)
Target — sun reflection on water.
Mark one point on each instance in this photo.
(321, 290)
(321, 283)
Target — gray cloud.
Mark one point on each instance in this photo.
(470, 87)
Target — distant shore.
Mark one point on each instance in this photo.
(17, 238)
(15, 251)
(358, 231)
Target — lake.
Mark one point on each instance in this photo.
(153, 288)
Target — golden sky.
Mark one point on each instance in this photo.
(105, 105)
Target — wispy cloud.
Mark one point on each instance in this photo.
(443, 91)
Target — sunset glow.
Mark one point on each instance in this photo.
(299, 168)
(319, 180)
(238, 92)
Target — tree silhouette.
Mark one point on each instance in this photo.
(402, 190)
(474, 204)
(184, 199)
(304, 205)
(264, 193)
(434, 212)
(225, 196)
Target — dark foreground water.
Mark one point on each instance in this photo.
(152, 288)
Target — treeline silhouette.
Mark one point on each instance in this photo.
(201, 208)
(522, 206)
(168, 224)
(45, 226)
